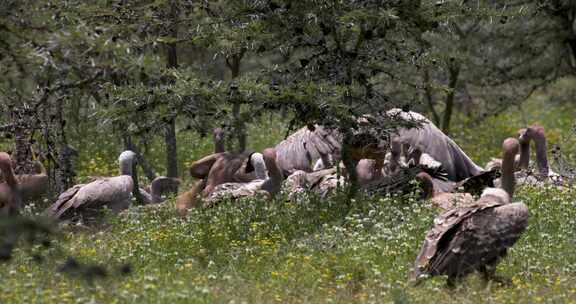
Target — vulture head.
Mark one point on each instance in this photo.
(256, 163)
(127, 160)
(218, 136)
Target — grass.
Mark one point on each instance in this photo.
(306, 251)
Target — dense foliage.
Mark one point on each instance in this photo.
(156, 77)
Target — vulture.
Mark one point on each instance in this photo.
(219, 168)
(86, 200)
(268, 186)
(218, 137)
(158, 187)
(10, 195)
(475, 237)
(442, 200)
(321, 182)
(524, 175)
(227, 167)
(35, 185)
(536, 133)
(307, 145)
(304, 147)
(430, 140)
(32, 186)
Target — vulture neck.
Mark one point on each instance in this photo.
(524, 154)
(127, 166)
(219, 141)
(39, 168)
(259, 164)
(156, 192)
(8, 171)
(427, 185)
(508, 179)
(274, 180)
(377, 168)
(541, 158)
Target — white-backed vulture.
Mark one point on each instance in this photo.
(475, 237)
(536, 133)
(87, 200)
(268, 186)
(304, 147)
(432, 141)
(158, 187)
(307, 145)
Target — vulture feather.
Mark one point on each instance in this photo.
(304, 147)
(268, 186)
(474, 237)
(114, 193)
(431, 140)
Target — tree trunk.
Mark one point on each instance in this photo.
(171, 153)
(22, 128)
(233, 63)
(65, 171)
(170, 134)
(429, 96)
(454, 70)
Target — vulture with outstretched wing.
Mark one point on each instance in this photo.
(304, 147)
(432, 141)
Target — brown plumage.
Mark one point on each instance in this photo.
(229, 167)
(268, 186)
(537, 134)
(301, 149)
(10, 196)
(190, 198)
(159, 187)
(34, 186)
(87, 200)
(219, 168)
(226, 167)
(474, 237)
(443, 200)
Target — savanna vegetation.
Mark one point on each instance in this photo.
(156, 77)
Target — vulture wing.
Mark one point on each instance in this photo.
(114, 193)
(201, 168)
(429, 139)
(481, 240)
(301, 149)
(439, 239)
(63, 198)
